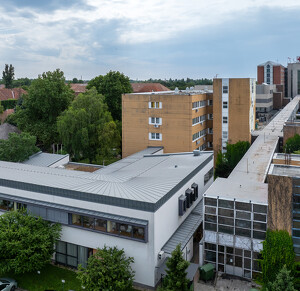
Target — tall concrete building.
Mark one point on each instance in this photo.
(272, 74)
(233, 111)
(293, 79)
(178, 121)
(261, 193)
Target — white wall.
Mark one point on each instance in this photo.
(142, 252)
(166, 218)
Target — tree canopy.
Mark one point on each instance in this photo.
(278, 250)
(292, 144)
(283, 281)
(107, 269)
(112, 86)
(86, 129)
(227, 161)
(8, 75)
(176, 272)
(26, 242)
(48, 96)
(18, 147)
(181, 84)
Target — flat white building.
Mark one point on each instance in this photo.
(141, 204)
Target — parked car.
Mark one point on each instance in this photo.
(7, 284)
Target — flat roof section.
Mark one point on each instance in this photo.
(285, 170)
(247, 180)
(145, 184)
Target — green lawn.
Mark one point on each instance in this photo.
(49, 279)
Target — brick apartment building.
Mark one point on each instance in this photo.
(233, 111)
(179, 121)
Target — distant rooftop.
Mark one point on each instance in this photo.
(148, 87)
(271, 63)
(44, 159)
(179, 92)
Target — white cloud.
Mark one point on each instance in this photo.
(67, 34)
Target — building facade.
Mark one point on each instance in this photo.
(178, 121)
(272, 73)
(137, 204)
(233, 111)
(264, 101)
(293, 79)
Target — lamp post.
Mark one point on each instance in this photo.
(63, 283)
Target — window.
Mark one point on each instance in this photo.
(100, 224)
(112, 227)
(225, 134)
(155, 120)
(122, 229)
(6, 205)
(208, 175)
(198, 104)
(225, 105)
(199, 134)
(225, 89)
(139, 233)
(225, 119)
(210, 116)
(155, 136)
(155, 105)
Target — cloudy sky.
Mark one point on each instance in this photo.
(149, 38)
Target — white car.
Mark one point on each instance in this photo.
(7, 284)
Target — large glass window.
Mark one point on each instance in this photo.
(138, 233)
(125, 230)
(112, 227)
(88, 222)
(225, 212)
(100, 224)
(76, 219)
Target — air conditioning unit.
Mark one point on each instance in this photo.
(156, 125)
(203, 138)
(196, 110)
(161, 255)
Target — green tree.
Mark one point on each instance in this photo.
(227, 161)
(292, 144)
(112, 86)
(278, 250)
(107, 269)
(26, 242)
(176, 272)
(8, 75)
(86, 129)
(48, 96)
(18, 147)
(283, 281)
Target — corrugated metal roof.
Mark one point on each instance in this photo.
(44, 159)
(144, 183)
(186, 230)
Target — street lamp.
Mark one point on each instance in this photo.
(63, 283)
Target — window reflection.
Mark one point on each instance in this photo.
(125, 230)
(88, 222)
(76, 219)
(100, 224)
(138, 232)
(112, 227)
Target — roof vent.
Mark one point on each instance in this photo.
(196, 152)
(176, 90)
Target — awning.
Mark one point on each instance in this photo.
(186, 230)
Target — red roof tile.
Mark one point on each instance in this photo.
(148, 87)
(4, 115)
(14, 93)
(78, 88)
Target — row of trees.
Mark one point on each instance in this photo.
(181, 84)
(89, 126)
